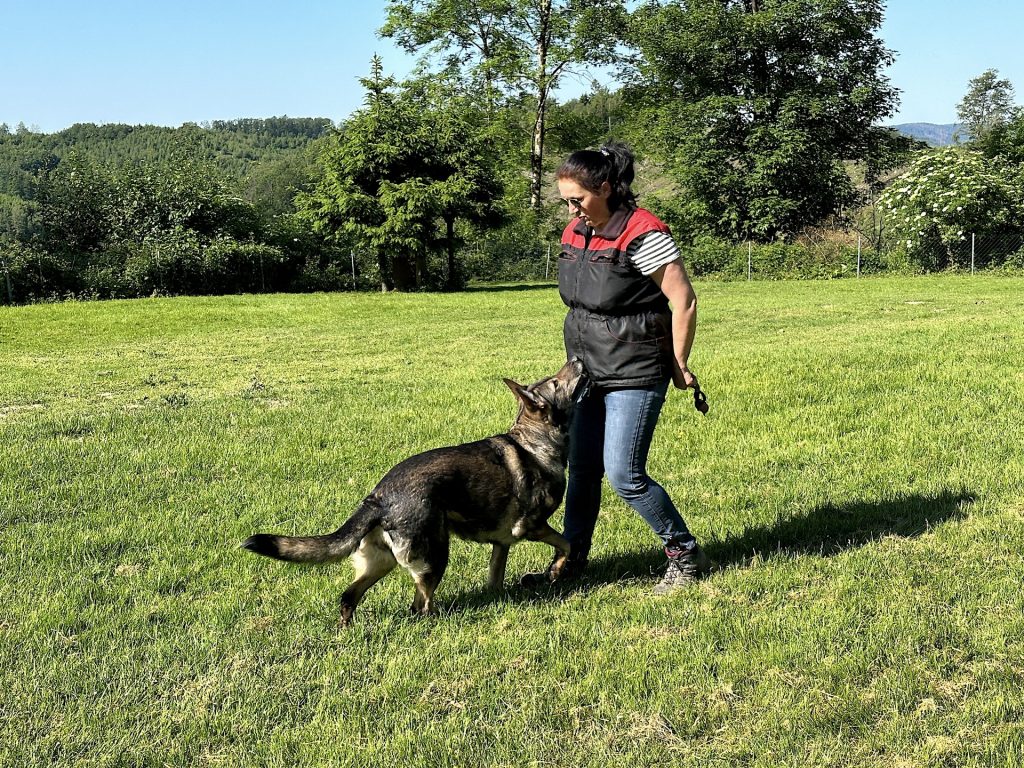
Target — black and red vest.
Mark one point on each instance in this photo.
(619, 322)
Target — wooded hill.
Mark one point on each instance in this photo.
(234, 146)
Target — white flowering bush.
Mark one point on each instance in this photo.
(931, 211)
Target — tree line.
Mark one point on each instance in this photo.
(753, 120)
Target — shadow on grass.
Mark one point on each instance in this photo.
(829, 529)
(826, 530)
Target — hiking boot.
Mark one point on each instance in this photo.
(685, 566)
(572, 570)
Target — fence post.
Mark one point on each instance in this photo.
(352, 255)
(858, 254)
(750, 258)
(547, 265)
(972, 253)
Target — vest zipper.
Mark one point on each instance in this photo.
(583, 263)
(583, 260)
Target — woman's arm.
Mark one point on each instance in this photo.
(675, 284)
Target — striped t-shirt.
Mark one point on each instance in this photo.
(649, 252)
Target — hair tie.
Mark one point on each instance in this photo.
(605, 152)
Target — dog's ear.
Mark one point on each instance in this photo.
(529, 399)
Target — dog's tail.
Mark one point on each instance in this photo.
(318, 549)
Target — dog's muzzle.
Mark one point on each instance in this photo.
(582, 382)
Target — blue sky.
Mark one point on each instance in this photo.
(121, 61)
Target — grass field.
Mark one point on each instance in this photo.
(860, 477)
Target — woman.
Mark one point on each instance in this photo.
(618, 273)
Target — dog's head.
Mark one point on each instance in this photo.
(550, 401)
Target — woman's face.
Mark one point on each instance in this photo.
(592, 207)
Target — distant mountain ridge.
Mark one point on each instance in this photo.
(936, 135)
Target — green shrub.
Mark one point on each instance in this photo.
(1015, 261)
(230, 266)
(33, 274)
(516, 252)
(946, 196)
(104, 276)
(710, 257)
(165, 262)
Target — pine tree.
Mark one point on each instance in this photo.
(411, 159)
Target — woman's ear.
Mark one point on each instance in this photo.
(606, 189)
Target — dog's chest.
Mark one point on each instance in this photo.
(513, 520)
(495, 527)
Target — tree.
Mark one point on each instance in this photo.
(987, 104)
(272, 185)
(1005, 140)
(752, 107)
(412, 158)
(586, 121)
(72, 201)
(945, 196)
(177, 226)
(118, 210)
(511, 47)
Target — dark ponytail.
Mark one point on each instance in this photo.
(590, 168)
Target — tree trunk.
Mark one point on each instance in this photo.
(421, 276)
(404, 272)
(452, 282)
(537, 157)
(537, 148)
(386, 283)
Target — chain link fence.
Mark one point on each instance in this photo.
(850, 253)
(27, 274)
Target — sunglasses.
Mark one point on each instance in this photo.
(574, 202)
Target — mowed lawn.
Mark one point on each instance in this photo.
(859, 478)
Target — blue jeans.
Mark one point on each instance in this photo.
(611, 433)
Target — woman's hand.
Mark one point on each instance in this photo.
(683, 378)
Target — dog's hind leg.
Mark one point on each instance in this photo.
(496, 572)
(373, 561)
(426, 574)
(426, 585)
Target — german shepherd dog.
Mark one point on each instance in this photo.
(498, 491)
